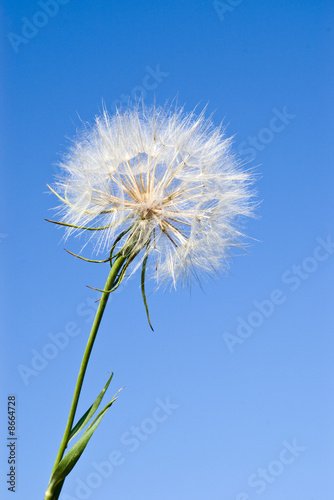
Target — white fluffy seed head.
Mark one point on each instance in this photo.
(167, 177)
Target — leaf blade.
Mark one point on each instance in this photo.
(90, 412)
(72, 456)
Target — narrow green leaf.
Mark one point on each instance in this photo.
(72, 456)
(90, 412)
(56, 491)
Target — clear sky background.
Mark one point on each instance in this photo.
(250, 392)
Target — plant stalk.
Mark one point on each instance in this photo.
(115, 269)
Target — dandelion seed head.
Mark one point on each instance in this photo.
(167, 177)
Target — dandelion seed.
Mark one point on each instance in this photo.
(165, 178)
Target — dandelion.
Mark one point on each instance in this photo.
(152, 187)
(164, 179)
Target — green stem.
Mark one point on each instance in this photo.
(104, 299)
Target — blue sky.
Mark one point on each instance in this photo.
(230, 398)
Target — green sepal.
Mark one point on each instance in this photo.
(143, 290)
(117, 240)
(78, 227)
(88, 260)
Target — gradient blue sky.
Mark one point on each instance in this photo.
(239, 403)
